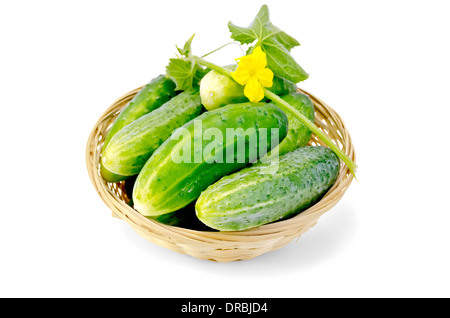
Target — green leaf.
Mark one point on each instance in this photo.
(276, 43)
(240, 34)
(181, 72)
(184, 73)
(282, 37)
(261, 19)
(282, 63)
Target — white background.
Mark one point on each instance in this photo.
(383, 65)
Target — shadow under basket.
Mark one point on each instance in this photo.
(215, 245)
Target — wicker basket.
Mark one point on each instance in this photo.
(219, 246)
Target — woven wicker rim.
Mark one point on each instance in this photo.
(220, 246)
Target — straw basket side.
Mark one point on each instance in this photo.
(219, 246)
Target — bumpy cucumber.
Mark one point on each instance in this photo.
(166, 184)
(130, 148)
(150, 97)
(267, 192)
(298, 134)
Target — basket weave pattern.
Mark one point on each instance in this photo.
(219, 246)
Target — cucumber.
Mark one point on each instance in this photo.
(166, 183)
(298, 134)
(128, 187)
(185, 218)
(218, 90)
(281, 86)
(130, 148)
(267, 192)
(150, 97)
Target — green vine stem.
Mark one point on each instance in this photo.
(212, 66)
(319, 133)
(219, 48)
(288, 108)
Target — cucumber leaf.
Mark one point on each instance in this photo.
(181, 72)
(276, 43)
(185, 72)
(241, 34)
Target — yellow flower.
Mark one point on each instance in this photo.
(253, 73)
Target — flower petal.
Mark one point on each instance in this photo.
(252, 73)
(259, 59)
(265, 77)
(254, 61)
(241, 75)
(253, 90)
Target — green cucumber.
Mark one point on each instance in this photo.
(150, 97)
(267, 192)
(185, 218)
(128, 187)
(298, 134)
(130, 148)
(166, 183)
(281, 86)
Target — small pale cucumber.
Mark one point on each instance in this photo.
(150, 97)
(130, 148)
(166, 183)
(298, 134)
(218, 90)
(267, 192)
